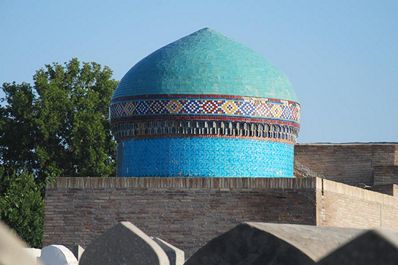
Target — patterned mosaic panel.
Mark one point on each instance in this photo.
(210, 106)
(205, 157)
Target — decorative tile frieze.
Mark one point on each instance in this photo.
(205, 105)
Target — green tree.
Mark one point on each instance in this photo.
(17, 128)
(21, 207)
(57, 126)
(72, 109)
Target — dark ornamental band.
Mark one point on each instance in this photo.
(173, 128)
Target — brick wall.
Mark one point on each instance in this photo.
(347, 163)
(396, 155)
(185, 212)
(188, 212)
(385, 175)
(389, 189)
(346, 206)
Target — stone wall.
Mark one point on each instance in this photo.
(352, 164)
(186, 212)
(342, 205)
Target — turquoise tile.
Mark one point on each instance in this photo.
(205, 157)
(205, 62)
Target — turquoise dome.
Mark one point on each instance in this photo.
(205, 62)
(205, 106)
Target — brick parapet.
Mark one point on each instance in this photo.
(324, 185)
(185, 212)
(342, 205)
(352, 164)
(183, 183)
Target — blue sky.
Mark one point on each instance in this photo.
(341, 56)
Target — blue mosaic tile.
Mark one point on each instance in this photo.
(205, 157)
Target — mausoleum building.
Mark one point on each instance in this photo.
(206, 131)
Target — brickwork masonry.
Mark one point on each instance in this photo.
(353, 164)
(188, 212)
(341, 205)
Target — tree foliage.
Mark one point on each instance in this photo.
(57, 126)
(21, 207)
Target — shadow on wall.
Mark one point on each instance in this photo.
(286, 244)
(247, 243)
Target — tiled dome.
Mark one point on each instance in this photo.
(205, 62)
(205, 106)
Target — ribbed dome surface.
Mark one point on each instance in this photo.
(205, 62)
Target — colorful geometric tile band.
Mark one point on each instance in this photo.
(205, 105)
(205, 116)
